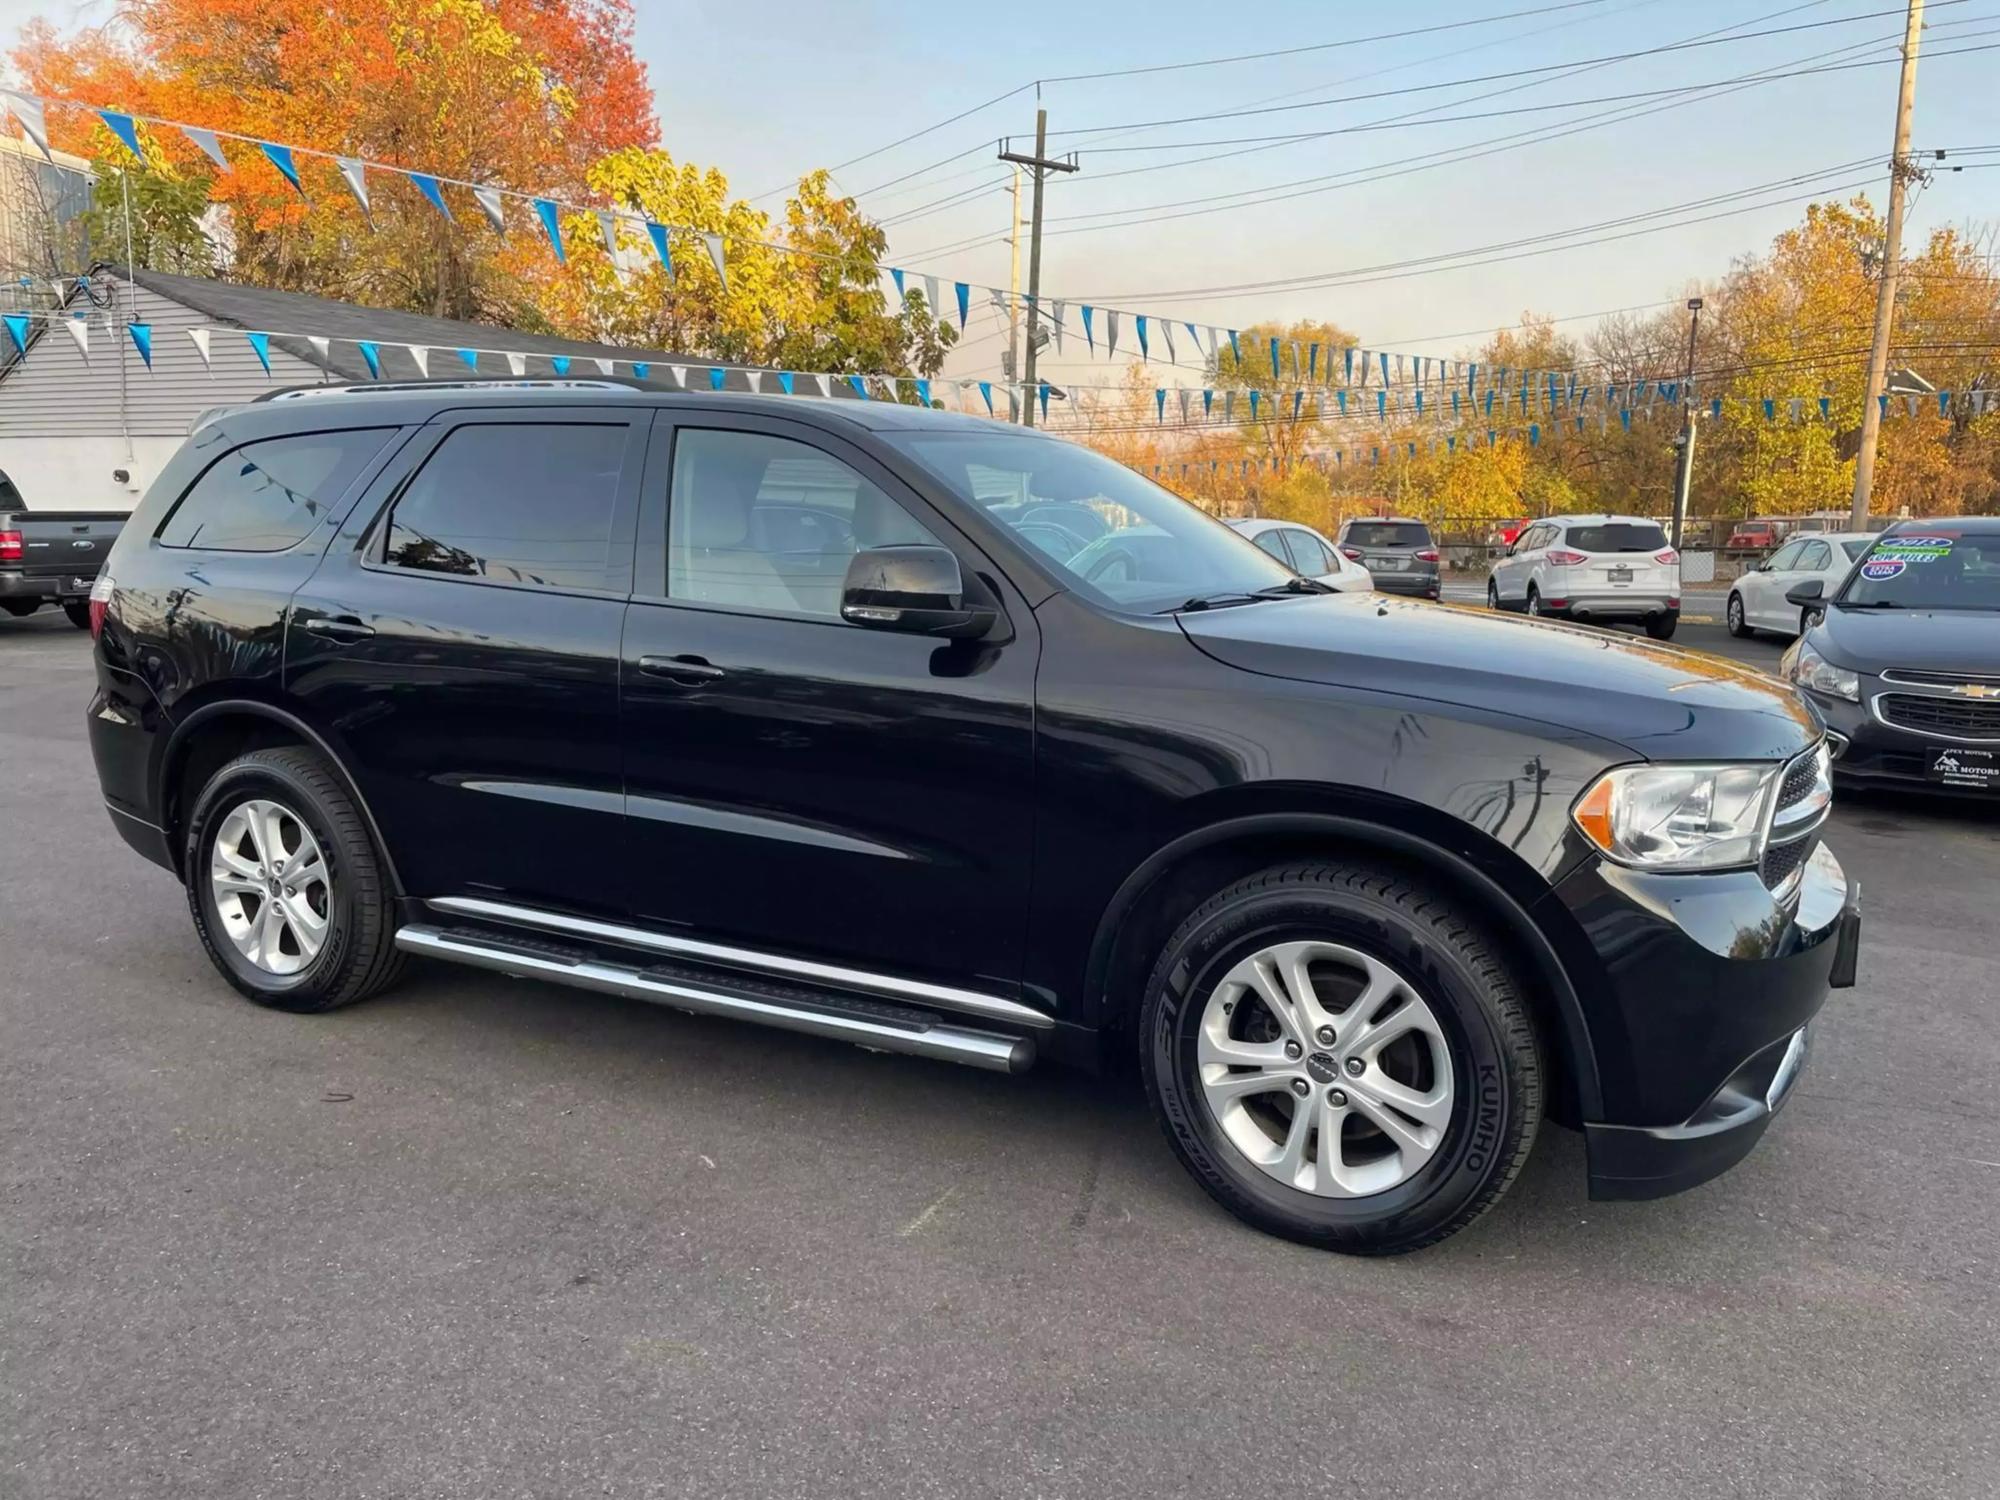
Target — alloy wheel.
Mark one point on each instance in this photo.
(1735, 614)
(271, 887)
(1325, 1068)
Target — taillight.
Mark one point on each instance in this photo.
(1352, 554)
(1429, 554)
(100, 603)
(1563, 558)
(10, 546)
(1668, 556)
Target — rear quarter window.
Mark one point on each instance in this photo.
(266, 496)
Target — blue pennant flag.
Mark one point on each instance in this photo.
(1489, 401)
(964, 295)
(1825, 407)
(1451, 439)
(1534, 434)
(260, 345)
(1420, 401)
(17, 330)
(124, 129)
(1235, 350)
(1882, 405)
(1089, 337)
(281, 158)
(1298, 402)
(1471, 374)
(657, 233)
(1382, 401)
(373, 354)
(545, 210)
(471, 358)
(860, 386)
(1625, 417)
(1349, 377)
(1454, 405)
(1770, 408)
(785, 381)
(142, 340)
(560, 363)
(1385, 367)
(1207, 401)
(1142, 336)
(986, 390)
(717, 377)
(1341, 396)
(1374, 455)
(1312, 362)
(1715, 409)
(1255, 396)
(1944, 403)
(1045, 400)
(896, 275)
(1159, 403)
(924, 392)
(428, 186)
(1275, 374)
(640, 370)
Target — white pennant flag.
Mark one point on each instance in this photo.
(79, 329)
(825, 384)
(517, 365)
(1056, 310)
(1185, 393)
(33, 118)
(1173, 357)
(680, 374)
(603, 365)
(931, 296)
(356, 172)
(488, 199)
(607, 225)
(210, 146)
(322, 346)
(422, 356)
(1111, 330)
(714, 243)
(199, 338)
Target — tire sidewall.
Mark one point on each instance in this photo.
(1735, 614)
(228, 789)
(1486, 1110)
(1492, 594)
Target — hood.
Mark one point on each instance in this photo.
(1662, 703)
(1917, 640)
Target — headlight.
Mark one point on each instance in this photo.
(1809, 669)
(1679, 817)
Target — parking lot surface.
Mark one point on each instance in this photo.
(486, 1238)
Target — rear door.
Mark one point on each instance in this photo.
(798, 784)
(1763, 589)
(459, 644)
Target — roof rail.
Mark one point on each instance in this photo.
(362, 388)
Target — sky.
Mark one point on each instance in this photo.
(770, 90)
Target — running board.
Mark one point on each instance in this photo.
(881, 1026)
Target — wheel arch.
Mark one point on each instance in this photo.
(217, 732)
(1180, 874)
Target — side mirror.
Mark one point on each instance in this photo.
(1807, 595)
(915, 589)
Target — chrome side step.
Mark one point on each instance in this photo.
(806, 971)
(886, 1028)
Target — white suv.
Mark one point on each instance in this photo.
(1596, 568)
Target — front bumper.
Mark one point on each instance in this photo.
(1869, 753)
(1699, 1027)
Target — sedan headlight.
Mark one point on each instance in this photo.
(1670, 817)
(1809, 669)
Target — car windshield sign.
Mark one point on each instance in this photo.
(1943, 568)
(1119, 538)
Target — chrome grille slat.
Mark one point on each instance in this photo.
(1952, 717)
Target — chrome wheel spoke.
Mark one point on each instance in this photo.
(275, 909)
(1415, 1143)
(308, 926)
(1432, 1110)
(1291, 1163)
(1233, 1086)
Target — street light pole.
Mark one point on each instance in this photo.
(1900, 171)
(1040, 165)
(1684, 471)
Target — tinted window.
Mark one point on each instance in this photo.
(765, 523)
(519, 503)
(1148, 549)
(1787, 556)
(1389, 534)
(1618, 536)
(1817, 556)
(263, 497)
(1273, 542)
(1308, 556)
(1928, 569)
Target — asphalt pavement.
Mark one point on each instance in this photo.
(488, 1239)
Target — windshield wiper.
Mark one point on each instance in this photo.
(1213, 601)
(1300, 585)
(1869, 604)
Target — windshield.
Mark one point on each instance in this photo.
(1388, 534)
(1121, 539)
(1618, 536)
(1944, 568)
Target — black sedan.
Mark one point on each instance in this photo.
(1903, 662)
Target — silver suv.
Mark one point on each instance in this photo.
(1398, 552)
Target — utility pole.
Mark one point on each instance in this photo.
(1900, 171)
(1041, 166)
(1684, 470)
(1014, 284)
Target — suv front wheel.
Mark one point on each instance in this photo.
(1342, 1058)
(287, 892)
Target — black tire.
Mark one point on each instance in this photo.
(1661, 627)
(1732, 615)
(1493, 595)
(78, 611)
(1534, 604)
(1479, 1005)
(359, 955)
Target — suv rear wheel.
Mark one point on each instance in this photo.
(287, 891)
(1341, 1058)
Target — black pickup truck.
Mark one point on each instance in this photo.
(52, 556)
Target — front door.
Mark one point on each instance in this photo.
(1763, 591)
(797, 784)
(459, 644)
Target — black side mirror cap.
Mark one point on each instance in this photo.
(1808, 594)
(916, 589)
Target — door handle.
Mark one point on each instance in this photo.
(688, 671)
(340, 627)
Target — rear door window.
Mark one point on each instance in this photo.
(266, 496)
(1786, 557)
(521, 503)
(1816, 557)
(1618, 536)
(1273, 542)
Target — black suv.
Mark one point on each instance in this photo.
(792, 711)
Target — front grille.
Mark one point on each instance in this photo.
(1806, 786)
(1800, 778)
(1780, 860)
(1941, 679)
(1950, 716)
